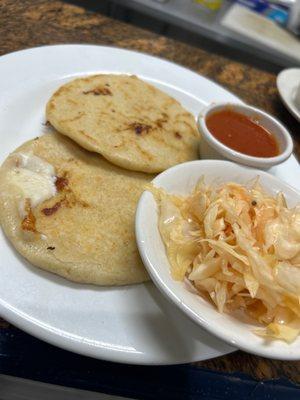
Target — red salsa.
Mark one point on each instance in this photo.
(242, 133)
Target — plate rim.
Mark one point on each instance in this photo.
(42, 332)
(121, 49)
(67, 343)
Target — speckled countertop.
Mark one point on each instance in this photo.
(30, 23)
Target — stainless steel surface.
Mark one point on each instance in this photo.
(190, 16)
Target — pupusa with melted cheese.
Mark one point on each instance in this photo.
(71, 212)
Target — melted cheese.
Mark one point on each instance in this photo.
(34, 179)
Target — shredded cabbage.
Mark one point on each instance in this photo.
(238, 247)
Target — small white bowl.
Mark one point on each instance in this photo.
(181, 179)
(212, 148)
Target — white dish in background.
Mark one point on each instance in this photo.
(131, 324)
(211, 147)
(181, 179)
(288, 82)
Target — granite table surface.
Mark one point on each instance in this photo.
(29, 23)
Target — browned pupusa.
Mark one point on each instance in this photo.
(131, 123)
(86, 231)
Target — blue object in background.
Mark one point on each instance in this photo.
(255, 5)
(278, 14)
(275, 12)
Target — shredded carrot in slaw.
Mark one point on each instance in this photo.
(239, 247)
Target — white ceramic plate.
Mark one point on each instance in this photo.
(287, 82)
(132, 324)
(181, 179)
